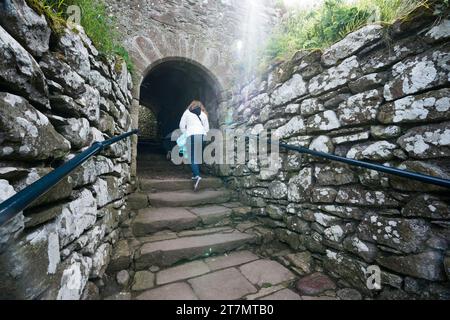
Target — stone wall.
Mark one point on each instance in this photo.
(207, 33)
(148, 124)
(380, 95)
(58, 95)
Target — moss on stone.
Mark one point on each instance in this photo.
(56, 23)
(118, 66)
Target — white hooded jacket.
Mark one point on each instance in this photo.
(190, 124)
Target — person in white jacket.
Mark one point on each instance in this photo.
(194, 123)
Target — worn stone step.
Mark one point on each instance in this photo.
(188, 198)
(151, 220)
(212, 215)
(158, 185)
(162, 166)
(197, 268)
(182, 272)
(137, 201)
(203, 231)
(228, 284)
(168, 252)
(149, 163)
(173, 291)
(121, 258)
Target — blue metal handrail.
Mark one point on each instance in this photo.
(363, 164)
(20, 201)
(372, 166)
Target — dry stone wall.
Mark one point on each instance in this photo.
(205, 32)
(380, 95)
(58, 96)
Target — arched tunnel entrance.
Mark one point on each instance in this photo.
(170, 86)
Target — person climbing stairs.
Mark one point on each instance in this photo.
(188, 245)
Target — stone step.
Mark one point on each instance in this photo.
(137, 201)
(213, 215)
(155, 171)
(149, 162)
(151, 220)
(121, 258)
(159, 166)
(168, 252)
(203, 231)
(188, 198)
(158, 185)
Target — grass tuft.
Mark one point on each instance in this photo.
(330, 22)
(97, 23)
(53, 16)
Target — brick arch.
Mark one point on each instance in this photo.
(213, 79)
(169, 84)
(145, 66)
(149, 52)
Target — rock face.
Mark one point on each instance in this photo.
(77, 217)
(431, 106)
(294, 127)
(432, 141)
(14, 226)
(77, 131)
(371, 102)
(360, 109)
(26, 26)
(20, 73)
(427, 265)
(57, 70)
(294, 88)
(352, 44)
(49, 112)
(419, 73)
(403, 235)
(380, 150)
(315, 284)
(28, 134)
(335, 77)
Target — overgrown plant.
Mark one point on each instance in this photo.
(51, 11)
(321, 27)
(98, 25)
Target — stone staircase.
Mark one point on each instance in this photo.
(185, 245)
(188, 245)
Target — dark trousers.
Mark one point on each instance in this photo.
(196, 153)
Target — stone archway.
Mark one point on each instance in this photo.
(213, 35)
(166, 88)
(170, 84)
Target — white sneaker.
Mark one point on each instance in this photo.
(197, 183)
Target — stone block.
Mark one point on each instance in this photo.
(266, 272)
(228, 284)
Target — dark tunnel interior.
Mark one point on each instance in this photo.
(170, 87)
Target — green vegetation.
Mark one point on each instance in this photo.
(54, 17)
(98, 25)
(329, 23)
